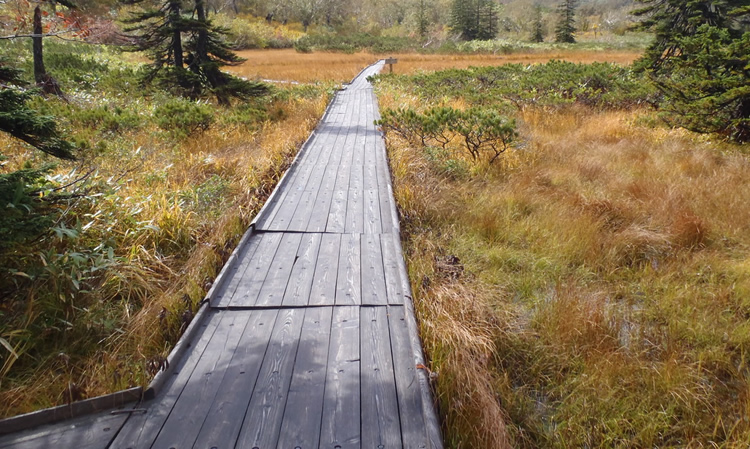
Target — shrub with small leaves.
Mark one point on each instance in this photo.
(183, 117)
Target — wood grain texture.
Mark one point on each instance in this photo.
(303, 414)
(373, 277)
(86, 432)
(380, 419)
(189, 412)
(340, 426)
(413, 430)
(252, 281)
(277, 279)
(300, 283)
(225, 414)
(141, 430)
(262, 422)
(323, 291)
(349, 281)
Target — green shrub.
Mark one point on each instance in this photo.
(183, 117)
(480, 130)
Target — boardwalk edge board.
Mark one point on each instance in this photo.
(72, 410)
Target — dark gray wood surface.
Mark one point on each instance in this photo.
(309, 342)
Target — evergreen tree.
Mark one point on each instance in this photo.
(700, 61)
(475, 19)
(25, 213)
(672, 20)
(566, 25)
(422, 19)
(537, 34)
(188, 51)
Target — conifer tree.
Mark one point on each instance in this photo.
(566, 25)
(475, 19)
(537, 34)
(699, 61)
(188, 51)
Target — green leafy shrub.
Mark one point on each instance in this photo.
(182, 117)
(601, 85)
(108, 120)
(481, 130)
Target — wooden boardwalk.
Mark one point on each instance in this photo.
(309, 339)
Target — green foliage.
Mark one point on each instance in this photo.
(475, 19)
(672, 20)
(26, 214)
(699, 60)
(182, 118)
(566, 25)
(538, 26)
(708, 89)
(23, 123)
(481, 131)
(554, 83)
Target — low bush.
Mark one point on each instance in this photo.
(182, 117)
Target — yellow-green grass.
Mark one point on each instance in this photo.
(590, 290)
(176, 209)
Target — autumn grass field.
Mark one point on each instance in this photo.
(165, 188)
(588, 289)
(290, 65)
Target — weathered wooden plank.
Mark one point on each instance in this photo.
(372, 219)
(340, 427)
(373, 276)
(52, 415)
(257, 270)
(413, 429)
(323, 291)
(277, 279)
(392, 269)
(355, 212)
(349, 281)
(87, 432)
(189, 412)
(262, 422)
(235, 274)
(380, 416)
(141, 429)
(370, 180)
(303, 415)
(337, 213)
(319, 214)
(301, 279)
(284, 213)
(225, 414)
(304, 211)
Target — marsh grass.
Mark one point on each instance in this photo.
(159, 213)
(289, 65)
(589, 292)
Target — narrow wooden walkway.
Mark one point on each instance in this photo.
(310, 339)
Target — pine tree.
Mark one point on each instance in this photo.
(475, 19)
(699, 61)
(538, 26)
(566, 25)
(188, 51)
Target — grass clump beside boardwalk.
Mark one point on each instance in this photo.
(590, 287)
(162, 191)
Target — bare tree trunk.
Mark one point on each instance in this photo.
(174, 15)
(40, 74)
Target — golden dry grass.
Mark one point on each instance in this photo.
(602, 290)
(163, 273)
(289, 65)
